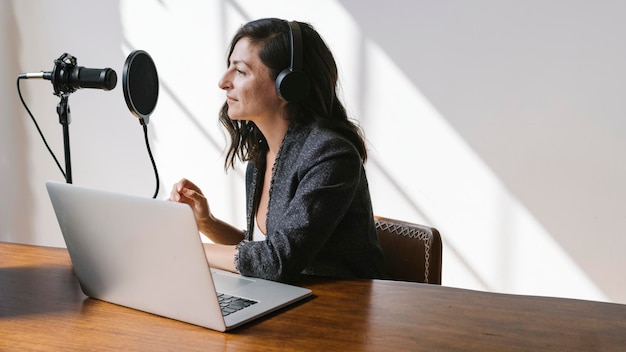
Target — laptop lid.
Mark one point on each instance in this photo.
(147, 254)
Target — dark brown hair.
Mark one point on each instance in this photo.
(321, 104)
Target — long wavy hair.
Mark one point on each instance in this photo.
(321, 104)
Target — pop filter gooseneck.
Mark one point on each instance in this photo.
(141, 91)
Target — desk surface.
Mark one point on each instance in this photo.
(42, 308)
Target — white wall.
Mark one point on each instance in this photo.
(500, 123)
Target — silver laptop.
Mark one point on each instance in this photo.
(147, 254)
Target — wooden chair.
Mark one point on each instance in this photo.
(412, 252)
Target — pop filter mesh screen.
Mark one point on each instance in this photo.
(142, 84)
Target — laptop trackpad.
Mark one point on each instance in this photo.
(225, 283)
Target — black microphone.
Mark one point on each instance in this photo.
(66, 77)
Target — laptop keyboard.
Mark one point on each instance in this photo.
(230, 304)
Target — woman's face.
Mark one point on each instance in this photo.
(250, 91)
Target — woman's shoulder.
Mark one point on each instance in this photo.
(312, 145)
(316, 138)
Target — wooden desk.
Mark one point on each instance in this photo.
(42, 308)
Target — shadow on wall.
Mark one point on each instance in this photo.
(17, 198)
(97, 117)
(466, 80)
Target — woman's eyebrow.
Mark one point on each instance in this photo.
(235, 62)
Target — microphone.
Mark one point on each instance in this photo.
(66, 77)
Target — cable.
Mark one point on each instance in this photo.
(19, 92)
(156, 173)
(43, 138)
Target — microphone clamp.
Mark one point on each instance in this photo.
(66, 77)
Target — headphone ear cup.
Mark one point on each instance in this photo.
(292, 85)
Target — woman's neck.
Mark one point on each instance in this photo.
(274, 132)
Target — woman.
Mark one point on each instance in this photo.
(308, 203)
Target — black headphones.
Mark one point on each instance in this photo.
(292, 83)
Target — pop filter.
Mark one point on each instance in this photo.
(141, 85)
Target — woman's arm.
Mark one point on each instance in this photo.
(220, 256)
(215, 229)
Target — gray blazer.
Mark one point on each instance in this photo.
(319, 219)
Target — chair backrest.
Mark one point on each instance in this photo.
(412, 252)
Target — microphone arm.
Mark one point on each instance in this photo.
(41, 75)
(61, 66)
(63, 110)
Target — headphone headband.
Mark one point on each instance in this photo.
(295, 38)
(292, 84)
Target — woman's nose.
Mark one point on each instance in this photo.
(224, 82)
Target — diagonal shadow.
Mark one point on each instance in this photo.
(179, 104)
(417, 209)
(34, 290)
(363, 69)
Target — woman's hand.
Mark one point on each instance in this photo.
(215, 229)
(187, 192)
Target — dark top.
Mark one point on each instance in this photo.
(319, 219)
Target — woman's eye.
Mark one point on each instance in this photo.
(240, 72)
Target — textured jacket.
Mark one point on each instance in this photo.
(319, 219)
